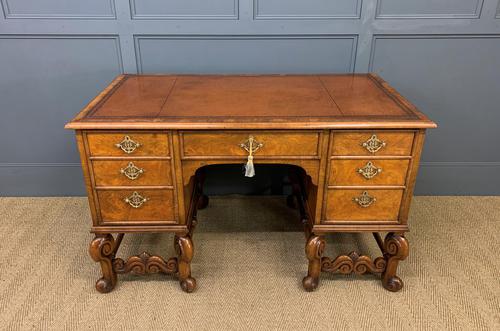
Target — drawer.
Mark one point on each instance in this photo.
(150, 206)
(378, 205)
(228, 143)
(372, 143)
(128, 144)
(132, 172)
(359, 172)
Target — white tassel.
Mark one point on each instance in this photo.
(249, 169)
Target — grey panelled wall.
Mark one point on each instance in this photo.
(56, 55)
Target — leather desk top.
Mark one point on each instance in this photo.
(250, 102)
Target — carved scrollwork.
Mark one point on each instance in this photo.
(102, 247)
(396, 246)
(315, 247)
(145, 264)
(353, 263)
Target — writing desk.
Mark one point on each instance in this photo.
(355, 142)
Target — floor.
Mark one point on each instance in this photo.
(249, 262)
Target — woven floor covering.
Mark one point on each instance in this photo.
(249, 262)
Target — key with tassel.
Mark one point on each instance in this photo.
(251, 146)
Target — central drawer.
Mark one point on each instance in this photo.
(228, 143)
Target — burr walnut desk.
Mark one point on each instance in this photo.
(352, 141)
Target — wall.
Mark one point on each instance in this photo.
(56, 55)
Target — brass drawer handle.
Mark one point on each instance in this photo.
(251, 146)
(135, 200)
(373, 145)
(132, 172)
(364, 200)
(369, 170)
(128, 145)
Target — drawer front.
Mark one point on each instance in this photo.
(118, 206)
(128, 144)
(346, 205)
(132, 172)
(344, 172)
(228, 143)
(372, 143)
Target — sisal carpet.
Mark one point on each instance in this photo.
(249, 262)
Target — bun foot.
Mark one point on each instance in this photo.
(104, 285)
(202, 202)
(393, 284)
(310, 283)
(188, 285)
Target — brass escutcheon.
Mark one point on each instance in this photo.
(135, 200)
(364, 200)
(373, 144)
(132, 172)
(128, 145)
(251, 145)
(369, 170)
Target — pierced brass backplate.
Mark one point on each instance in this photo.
(128, 145)
(364, 200)
(135, 200)
(251, 145)
(373, 145)
(132, 172)
(369, 170)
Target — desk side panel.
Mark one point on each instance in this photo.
(82, 148)
(418, 144)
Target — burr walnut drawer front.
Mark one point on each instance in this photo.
(142, 205)
(128, 144)
(230, 143)
(132, 172)
(346, 205)
(359, 172)
(372, 143)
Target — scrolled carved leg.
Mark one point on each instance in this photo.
(396, 249)
(185, 250)
(102, 249)
(315, 247)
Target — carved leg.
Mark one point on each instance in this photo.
(102, 249)
(184, 248)
(200, 180)
(395, 250)
(294, 178)
(194, 223)
(314, 250)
